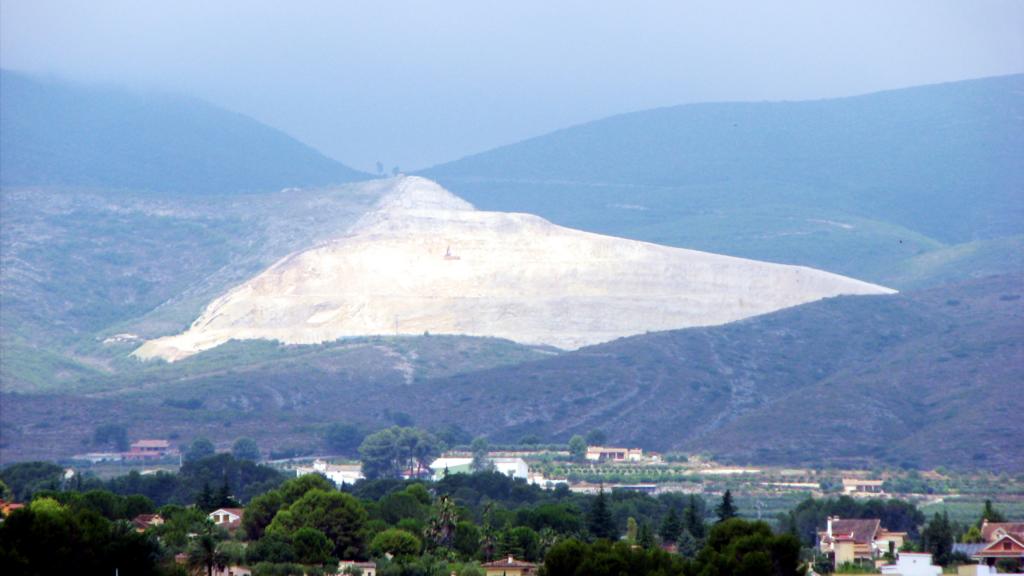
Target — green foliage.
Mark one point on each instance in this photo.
(741, 548)
(991, 514)
(596, 438)
(311, 546)
(199, 449)
(246, 449)
(481, 463)
(578, 448)
(600, 521)
(386, 453)
(338, 515)
(398, 543)
(467, 539)
(48, 538)
(938, 537)
(726, 509)
(26, 478)
(672, 528)
(112, 435)
(343, 438)
(810, 515)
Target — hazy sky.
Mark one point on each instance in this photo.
(416, 83)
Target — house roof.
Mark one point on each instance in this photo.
(861, 530)
(991, 531)
(145, 520)
(509, 562)
(151, 444)
(234, 511)
(996, 549)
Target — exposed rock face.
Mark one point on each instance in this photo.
(427, 261)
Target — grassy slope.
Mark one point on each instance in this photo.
(854, 185)
(57, 133)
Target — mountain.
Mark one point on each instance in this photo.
(55, 133)
(861, 186)
(923, 378)
(425, 261)
(928, 378)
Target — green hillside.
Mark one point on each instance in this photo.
(852, 185)
(59, 133)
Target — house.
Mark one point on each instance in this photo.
(856, 486)
(912, 564)
(340, 474)
(609, 454)
(366, 568)
(7, 507)
(1002, 540)
(855, 540)
(513, 467)
(148, 449)
(509, 567)
(228, 518)
(144, 521)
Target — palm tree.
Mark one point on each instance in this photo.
(205, 552)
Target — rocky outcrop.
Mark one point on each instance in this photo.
(426, 261)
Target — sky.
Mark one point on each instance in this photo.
(412, 84)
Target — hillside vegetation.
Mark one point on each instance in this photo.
(927, 378)
(59, 133)
(918, 379)
(860, 186)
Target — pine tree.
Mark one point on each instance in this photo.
(693, 519)
(671, 528)
(601, 523)
(726, 509)
(646, 537)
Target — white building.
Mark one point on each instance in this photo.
(912, 564)
(340, 474)
(514, 467)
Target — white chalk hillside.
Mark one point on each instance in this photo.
(426, 261)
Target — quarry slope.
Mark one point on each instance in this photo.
(425, 261)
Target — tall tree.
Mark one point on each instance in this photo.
(481, 462)
(601, 523)
(726, 509)
(578, 448)
(937, 538)
(205, 552)
(991, 514)
(671, 527)
(693, 518)
(246, 449)
(443, 521)
(200, 448)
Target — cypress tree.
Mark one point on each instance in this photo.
(726, 509)
(601, 523)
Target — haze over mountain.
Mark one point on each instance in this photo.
(60, 133)
(425, 261)
(901, 187)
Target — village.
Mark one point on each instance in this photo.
(862, 544)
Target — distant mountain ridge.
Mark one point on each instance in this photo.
(56, 133)
(855, 185)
